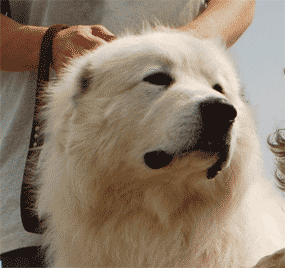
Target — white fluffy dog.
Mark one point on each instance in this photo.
(151, 159)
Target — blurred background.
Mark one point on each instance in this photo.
(260, 57)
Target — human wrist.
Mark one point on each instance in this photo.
(34, 36)
(20, 46)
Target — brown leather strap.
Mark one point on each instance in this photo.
(45, 62)
(5, 8)
(30, 220)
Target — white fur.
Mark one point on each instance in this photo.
(105, 207)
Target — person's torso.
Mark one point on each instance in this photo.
(115, 15)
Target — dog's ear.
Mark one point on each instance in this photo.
(83, 82)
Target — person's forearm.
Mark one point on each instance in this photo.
(20, 46)
(224, 18)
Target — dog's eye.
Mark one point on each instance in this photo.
(160, 79)
(218, 88)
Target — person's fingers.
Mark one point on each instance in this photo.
(102, 32)
(76, 40)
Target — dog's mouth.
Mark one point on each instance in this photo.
(158, 159)
(161, 159)
(213, 137)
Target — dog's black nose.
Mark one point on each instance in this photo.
(218, 111)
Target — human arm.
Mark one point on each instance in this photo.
(20, 44)
(227, 19)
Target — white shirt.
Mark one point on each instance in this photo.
(18, 89)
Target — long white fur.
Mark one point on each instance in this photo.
(106, 208)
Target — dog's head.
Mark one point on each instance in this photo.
(156, 101)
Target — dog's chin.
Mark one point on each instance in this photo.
(161, 159)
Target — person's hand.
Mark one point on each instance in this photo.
(76, 40)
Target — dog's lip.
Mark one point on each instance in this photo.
(158, 159)
(216, 168)
(167, 158)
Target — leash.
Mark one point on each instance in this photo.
(30, 219)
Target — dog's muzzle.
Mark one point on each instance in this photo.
(216, 116)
